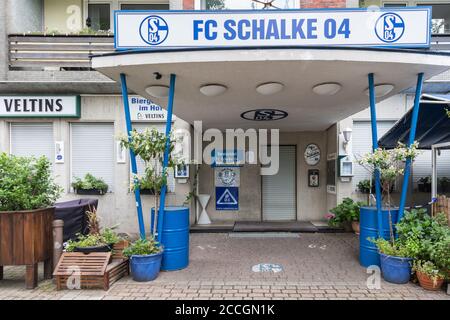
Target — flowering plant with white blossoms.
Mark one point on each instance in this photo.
(390, 164)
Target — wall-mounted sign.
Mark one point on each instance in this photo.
(264, 115)
(313, 178)
(227, 158)
(227, 177)
(227, 198)
(40, 106)
(59, 151)
(385, 27)
(182, 171)
(144, 110)
(312, 154)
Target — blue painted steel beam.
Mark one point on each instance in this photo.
(373, 120)
(137, 192)
(412, 137)
(162, 201)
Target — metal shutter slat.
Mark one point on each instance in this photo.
(32, 139)
(278, 191)
(93, 151)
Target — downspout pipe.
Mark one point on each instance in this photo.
(137, 191)
(162, 201)
(373, 121)
(412, 137)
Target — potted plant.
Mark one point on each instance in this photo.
(145, 259)
(389, 165)
(97, 240)
(346, 215)
(424, 184)
(429, 275)
(27, 195)
(396, 260)
(150, 146)
(431, 236)
(90, 185)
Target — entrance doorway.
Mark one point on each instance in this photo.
(279, 190)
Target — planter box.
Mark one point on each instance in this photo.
(26, 238)
(89, 192)
(117, 252)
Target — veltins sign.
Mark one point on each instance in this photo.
(142, 109)
(39, 106)
(386, 27)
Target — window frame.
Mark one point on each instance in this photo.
(201, 5)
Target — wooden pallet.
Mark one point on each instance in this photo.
(442, 205)
(88, 271)
(118, 249)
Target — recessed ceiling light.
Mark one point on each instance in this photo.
(327, 89)
(213, 90)
(269, 88)
(382, 90)
(158, 91)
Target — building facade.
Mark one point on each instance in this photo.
(47, 57)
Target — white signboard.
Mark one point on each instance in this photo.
(39, 106)
(144, 110)
(386, 27)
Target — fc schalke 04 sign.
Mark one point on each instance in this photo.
(386, 27)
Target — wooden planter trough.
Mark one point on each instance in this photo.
(89, 271)
(26, 238)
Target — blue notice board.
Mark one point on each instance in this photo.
(227, 198)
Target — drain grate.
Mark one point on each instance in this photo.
(263, 235)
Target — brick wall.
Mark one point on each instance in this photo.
(323, 3)
(188, 4)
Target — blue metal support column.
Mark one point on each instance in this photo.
(162, 201)
(412, 137)
(137, 192)
(373, 119)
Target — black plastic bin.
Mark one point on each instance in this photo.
(73, 213)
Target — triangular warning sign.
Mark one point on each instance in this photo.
(227, 198)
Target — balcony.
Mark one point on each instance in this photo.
(56, 53)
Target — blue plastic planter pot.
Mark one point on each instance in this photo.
(145, 267)
(368, 251)
(395, 269)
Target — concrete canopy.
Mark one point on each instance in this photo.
(242, 70)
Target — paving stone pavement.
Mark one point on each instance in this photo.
(315, 266)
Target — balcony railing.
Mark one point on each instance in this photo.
(61, 52)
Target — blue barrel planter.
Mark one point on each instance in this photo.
(175, 238)
(368, 251)
(395, 269)
(145, 267)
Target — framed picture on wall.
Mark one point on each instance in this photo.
(313, 178)
(182, 171)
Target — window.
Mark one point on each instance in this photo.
(99, 16)
(32, 139)
(247, 4)
(441, 17)
(394, 5)
(144, 6)
(93, 151)
(140, 127)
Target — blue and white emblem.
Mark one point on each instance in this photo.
(154, 30)
(390, 27)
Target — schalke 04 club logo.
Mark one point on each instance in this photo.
(390, 27)
(154, 30)
(264, 115)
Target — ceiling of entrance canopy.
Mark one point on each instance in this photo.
(293, 89)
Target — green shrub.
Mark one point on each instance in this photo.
(142, 247)
(90, 183)
(107, 237)
(393, 248)
(26, 183)
(347, 211)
